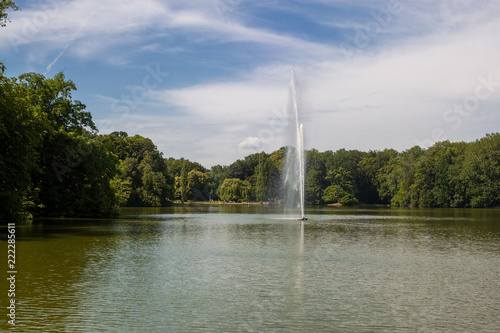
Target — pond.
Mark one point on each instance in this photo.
(249, 269)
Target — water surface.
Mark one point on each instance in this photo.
(248, 269)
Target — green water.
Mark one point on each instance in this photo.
(247, 269)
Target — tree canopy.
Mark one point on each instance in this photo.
(54, 163)
(4, 6)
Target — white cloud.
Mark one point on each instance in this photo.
(251, 143)
(231, 102)
(94, 28)
(393, 93)
(396, 98)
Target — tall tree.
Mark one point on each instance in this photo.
(70, 160)
(183, 182)
(481, 172)
(143, 178)
(198, 185)
(21, 134)
(277, 160)
(217, 175)
(76, 177)
(407, 194)
(315, 177)
(235, 189)
(341, 189)
(263, 178)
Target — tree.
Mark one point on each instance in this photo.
(21, 134)
(74, 177)
(174, 166)
(407, 193)
(234, 189)
(188, 176)
(457, 186)
(315, 177)
(341, 189)
(154, 190)
(143, 178)
(217, 174)
(371, 181)
(50, 163)
(198, 185)
(481, 172)
(183, 183)
(432, 176)
(263, 178)
(52, 102)
(4, 5)
(243, 169)
(122, 188)
(277, 161)
(387, 178)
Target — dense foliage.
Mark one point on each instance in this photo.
(50, 160)
(445, 175)
(53, 163)
(4, 5)
(142, 178)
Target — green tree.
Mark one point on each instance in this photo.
(315, 177)
(198, 185)
(58, 164)
(174, 166)
(243, 169)
(180, 170)
(122, 189)
(154, 190)
(277, 160)
(457, 186)
(183, 183)
(143, 178)
(4, 6)
(217, 175)
(372, 185)
(234, 189)
(387, 179)
(407, 193)
(481, 172)
(341, 189)
(263, 178)
(21, 134)
(432, 181)
(52, 101)
(75, 177)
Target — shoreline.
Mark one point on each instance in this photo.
(222, 203)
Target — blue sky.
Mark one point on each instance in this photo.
(208, 80)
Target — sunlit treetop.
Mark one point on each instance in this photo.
(4, 5)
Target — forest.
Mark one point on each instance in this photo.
(53, 162)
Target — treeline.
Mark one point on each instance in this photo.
(448, 174)
(53, 163)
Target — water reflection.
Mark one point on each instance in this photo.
(215, 269)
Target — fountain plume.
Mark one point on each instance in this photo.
(295, 165)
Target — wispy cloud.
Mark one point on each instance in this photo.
(391, 92)
(116, 23)
(393, 98)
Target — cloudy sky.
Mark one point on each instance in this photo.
(208, 79)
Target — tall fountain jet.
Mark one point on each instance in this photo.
(295, 166)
